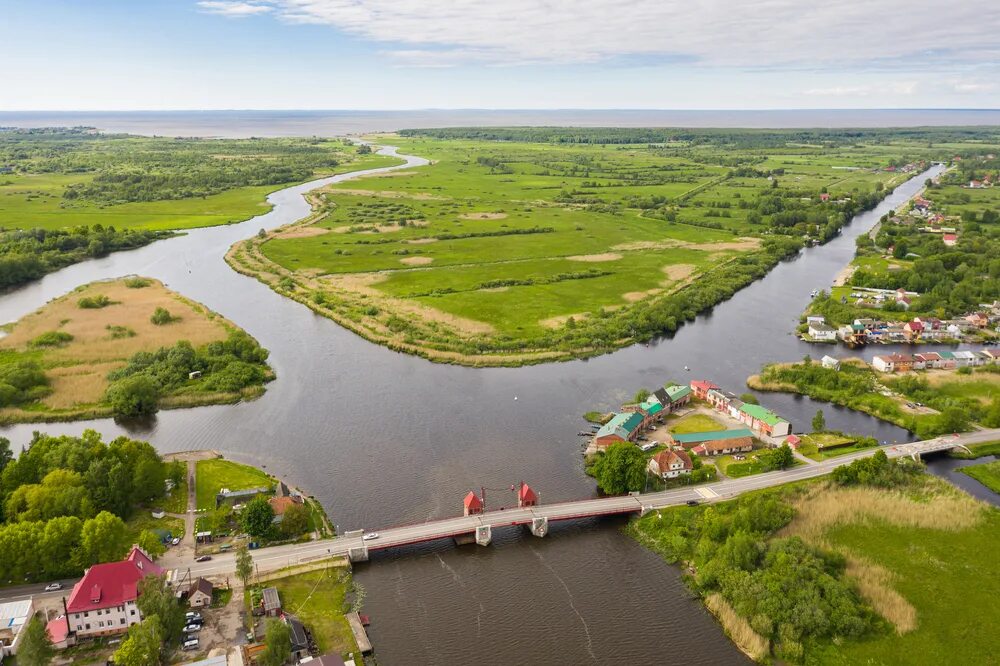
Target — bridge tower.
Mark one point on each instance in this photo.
(526, 496)
(473, 505)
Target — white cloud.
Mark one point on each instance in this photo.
(234, 8)
(972, 87)
(763, 33)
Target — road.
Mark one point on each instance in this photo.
(278, 557)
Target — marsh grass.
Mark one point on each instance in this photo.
(737, 628)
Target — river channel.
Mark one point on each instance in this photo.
(382, 438)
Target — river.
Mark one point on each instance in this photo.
(384, 438)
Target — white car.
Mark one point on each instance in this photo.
(175, 541)
(370, 536)
(52, 587)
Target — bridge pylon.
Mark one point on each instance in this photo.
(540, 526)
(484, 535)
(358, 554)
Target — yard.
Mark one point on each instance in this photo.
(695, 423)
(213, 475)
(143, 520)
(176, 501)
(824, 445)
(318, 599)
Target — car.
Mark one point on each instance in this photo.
(648, 447)
(193, 617)
(190, 645)
(175, 541)
(692, 502)
(203, 558)
(370, 536)
(52, 587)
(192, 628)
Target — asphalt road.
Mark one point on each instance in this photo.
(278, 557)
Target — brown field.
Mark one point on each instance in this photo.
(737, 628)
(595, 258)
(416, 261)
(483, 216)
(78, 370)
(299, 231)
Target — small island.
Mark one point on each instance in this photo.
(124, 348)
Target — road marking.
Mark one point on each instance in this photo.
(707, 493)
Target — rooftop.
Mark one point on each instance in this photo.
(112, 583)
(762, 414)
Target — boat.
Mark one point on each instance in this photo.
(584, 434)
(814, 293)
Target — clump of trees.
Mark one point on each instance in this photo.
(877, 471)
(22, 382)
(225, 366)
(64, 501)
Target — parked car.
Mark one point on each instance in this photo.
(692, 502)
(203, 558)
(192, 628)
(52, 587)
(190, 645)
(175, 541)
(193, 617)
(370, 536)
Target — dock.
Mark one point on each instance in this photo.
(360, 635)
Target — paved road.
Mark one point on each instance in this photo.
(279, 557)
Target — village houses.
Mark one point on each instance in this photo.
(103, 602)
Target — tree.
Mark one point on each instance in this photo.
(156, 599)
(36, 647)
(142, 646)
(295, 520)
(104, 538)
(620, 469)
(256, 517)
(641, 395)
(278, 639)
(161, 316)
(150, 542)
(781, 457)
(819, 421)
(5, 453)
(133, 396)
(244, 564)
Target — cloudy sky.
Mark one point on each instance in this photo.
(405, 54)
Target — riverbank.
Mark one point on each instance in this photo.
(124, 348)
(851, 540)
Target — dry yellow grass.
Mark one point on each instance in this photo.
(78, 370)
(737, 628)
(875, 585)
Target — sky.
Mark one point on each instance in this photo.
(498, 54)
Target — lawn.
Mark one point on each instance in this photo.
(77, 347)
(695, 423)
(176, 502)
(821, 446)
(213, 475)
(318, 599)
(142, 519)
(506, 253)
(987, 474)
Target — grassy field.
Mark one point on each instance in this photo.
(176, 502)
(317, 598)
(987, 474)
(49, 166)
(509, 253)
(143, 520)
(695, 423)
(213, 475)
(78, 346)
(824, 445)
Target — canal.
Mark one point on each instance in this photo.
(383, 438)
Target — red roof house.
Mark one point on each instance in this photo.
(58, 630)
(950, 239)
(526, 496)
(473, 504)
(824, 197)
(103, 601)
(701, 387)
(793, 441)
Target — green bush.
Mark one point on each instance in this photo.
(51, 339)
(161, 316)
(95, 302)
(133, 396)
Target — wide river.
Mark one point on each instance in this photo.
(383, 438)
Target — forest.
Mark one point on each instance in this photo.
(65, 500)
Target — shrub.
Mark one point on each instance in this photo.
(119, 332)
(51, 339)
(162, 316)
(95, 302)
(137, 282)
(133, 396)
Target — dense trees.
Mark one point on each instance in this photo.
(256, 517)
(36, 647)
(278, 639)
(133, 396)
(156, 598)
(64, 500)
(819, 421)
(620, 469)
(30, 254)
(21, 382)
(143, 645)
(295, 521)
(876, 470)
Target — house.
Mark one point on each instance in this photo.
(298, 636)
(919, 363)
(815, 319)
(793, 441)
(824, 197)
(103, 601)
(724, 447)
(670, 464)
(893, 363)
(822, 332)
(975, 184)
(58, 631)
(200, 593)
(949, 239)
(964, 359)
(830, 362)
(233, 497)
(472, 504)
(913, 330)
(679, 395)
(978, 319)
(624, 427)
(270, 601)
(13, 616)
(724, 441)
(526, 496)
(282, 504)
(947, 360)
(701, 387)
(932, 360)
(764, 420)
(867, 324)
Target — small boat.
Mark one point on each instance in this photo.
(814, 293)
(687, 368)
(584, 434)
(365, 620)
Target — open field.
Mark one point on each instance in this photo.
(317, 598)
(503, 254)
(76, 347)
(213, 475)
(695, 423)
(68, 179)
(987, 474)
